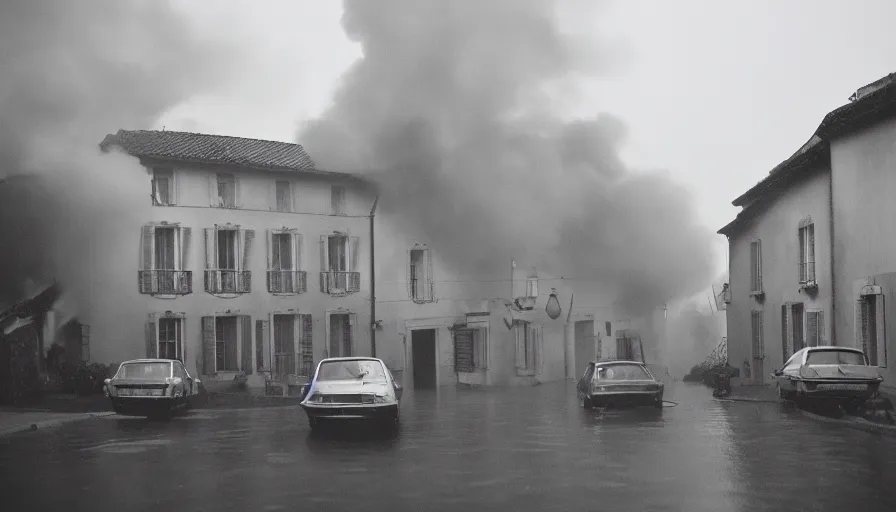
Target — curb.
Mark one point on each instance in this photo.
(53, 423)
(855, 423)
(756, 400)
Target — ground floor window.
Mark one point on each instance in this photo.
(170, 344)
(226, 344)
(470, 350)
(341, 336)
(528, 347)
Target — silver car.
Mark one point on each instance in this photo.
(828, 374)
(150, 387)
(352, 388)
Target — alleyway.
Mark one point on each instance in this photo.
(510, 449)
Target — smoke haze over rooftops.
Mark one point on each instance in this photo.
(453, 100)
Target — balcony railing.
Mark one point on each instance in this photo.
(287, 281)
(340, 282)
(228, 281)
(165, 282)
(807, 272)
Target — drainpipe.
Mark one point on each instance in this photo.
(833, 320)
(569, 345)
(373, 282)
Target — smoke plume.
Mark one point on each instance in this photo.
(71, 72)
(449, 112)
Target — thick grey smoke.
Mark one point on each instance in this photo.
(71, 72)
(449, 112)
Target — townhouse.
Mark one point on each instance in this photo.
(811, 253)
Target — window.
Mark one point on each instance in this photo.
(834, 356)
(756, 330)
(337, 199)
(470, 350)
(163, 187)
(341, 329)
(284, 262)
(814, 328)
(339, 264)
(807, 253)
(532, 287)
(756, 267)
(165, 256)
(226, 190)
(420, 279)
(528, 348)
(871, 328)
(284, 345)
(170, 338)
(292, 347)
(228, 250)
(609, 328)
(284, 196)
(226, 344)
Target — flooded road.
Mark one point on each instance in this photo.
(505, 449)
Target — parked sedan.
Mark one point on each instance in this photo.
(352, 388)
(836, 375)
(150, 387)
(619, 383)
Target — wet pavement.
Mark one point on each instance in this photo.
(508, 449)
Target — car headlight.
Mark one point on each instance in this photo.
(381, 399)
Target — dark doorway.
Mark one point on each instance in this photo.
(423, 357)
(584, 345)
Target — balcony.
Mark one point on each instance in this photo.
(807, 276)
(287, 281)
(165, 282)
(340, 283)
(228, 281)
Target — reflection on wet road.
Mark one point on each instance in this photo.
(524, 449)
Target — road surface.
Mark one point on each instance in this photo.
(531, 448)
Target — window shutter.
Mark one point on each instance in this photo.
(208, 345)
(881, 324)
(297, 325)
(297, 247)
(819, 319)
(247, 237)
(307, 346)
(430, 280)
(754, 255)
(463, 351)
(269, 236)
(758, 265)
(858, 327)
(812, 329)
(761, 337)
(352, 329)
(354, 250)
(211, 246)
(151, 338)
(409, 273)
(810, 229)
(149, 239)
(213, 191)
(262, 349)
(520, 329)
(324, 253)
(181, 330)
(785, 348)
(245, 334)
(186, 236)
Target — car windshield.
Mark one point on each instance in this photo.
(835, 357)
(622, 372)
(350, 370)
(144, 370)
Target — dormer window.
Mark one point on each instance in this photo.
(226, 190)
(162, 186)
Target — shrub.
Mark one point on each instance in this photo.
(87, 379)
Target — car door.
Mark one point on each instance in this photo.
(181, 372)
(582, 385)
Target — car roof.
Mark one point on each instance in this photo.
(333, 359)
(149, 361)
(830, 347)
(620, 361)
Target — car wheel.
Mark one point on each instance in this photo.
(587, 403)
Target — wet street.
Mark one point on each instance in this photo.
(508, 449)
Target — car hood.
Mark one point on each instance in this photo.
(350, 386)
(842, 371)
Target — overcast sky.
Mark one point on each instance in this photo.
(717, 92)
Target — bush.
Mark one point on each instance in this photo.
(84, 379)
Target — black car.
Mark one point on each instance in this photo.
(619, 383)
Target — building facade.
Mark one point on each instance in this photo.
(827, 209)
(251, 266)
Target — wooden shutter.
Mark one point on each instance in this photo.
(186, 237)
(181, 342)
(410, 273)
(881, 325)
(324, 253)
(245, 339)
(269, 262)
(521, 329)
(754, 265)
(757, 334)
(609, 327)
(352, 330)
(147, 243)
(354, 248)
(306, 348)
(785, 347)
(430, 281)
(810, 268)
(812, 329)
(297, 332)
(463, 351)
(211, 248)
(208, 345)
(151, 338)
(263, 339)
(246, 238)
(297, 247)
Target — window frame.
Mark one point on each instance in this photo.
(338, 195)
(289, 203)
(806, 238)
(219, 200)
(170, 176)
(179, 336)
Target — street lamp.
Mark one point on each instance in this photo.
(553, 306)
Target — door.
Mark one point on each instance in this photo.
(796, 317)
(423, 358)
(284, 347)
(585, 348)
(340, 343)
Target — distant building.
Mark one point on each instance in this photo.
(812, 253)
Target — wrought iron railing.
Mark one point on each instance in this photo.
(287, 281)
(421, 291)
(228, 281)
(165, 282)
(807, 272)
(340, 282)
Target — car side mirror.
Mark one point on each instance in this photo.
(778, 373)
(398, 389)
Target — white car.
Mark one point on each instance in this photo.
(830, 374)
(352, 388)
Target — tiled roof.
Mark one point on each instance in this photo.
(212, 149)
